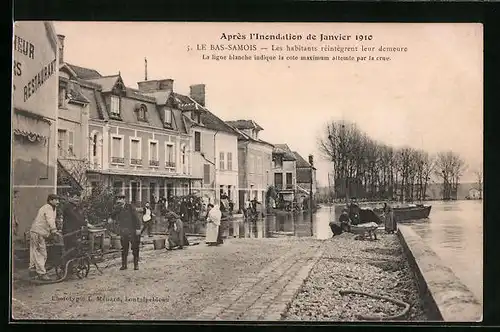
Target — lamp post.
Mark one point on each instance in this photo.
(311, 167)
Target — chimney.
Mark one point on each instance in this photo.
(60, 39)
(166, 85)
(311, 161)
(197, 92)
(156, 85)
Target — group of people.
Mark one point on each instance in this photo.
(250, 210)
(130, 228)
(351, 215)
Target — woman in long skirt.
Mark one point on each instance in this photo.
(176, 236)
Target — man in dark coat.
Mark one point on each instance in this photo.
(73, 221)
(130, 230)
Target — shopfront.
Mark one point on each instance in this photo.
(34, 119)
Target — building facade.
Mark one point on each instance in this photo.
(137, 140)
(255, 172)
(215, 150)
(306, 178)
(34, 120)
(72, 129)
(284, 166)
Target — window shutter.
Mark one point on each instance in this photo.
(206, 174)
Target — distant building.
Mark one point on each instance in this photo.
(306, 175)
(474, 193)
(254, 162)
(34, 119)
(284, 171)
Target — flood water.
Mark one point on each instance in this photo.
(454, 230)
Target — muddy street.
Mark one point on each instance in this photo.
(169, 285)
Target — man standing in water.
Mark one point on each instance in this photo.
(130, 230)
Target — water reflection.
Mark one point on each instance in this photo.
(300, 225)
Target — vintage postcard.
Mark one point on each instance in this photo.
(247, 171)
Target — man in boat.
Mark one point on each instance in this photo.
(354, 213)
(345, 224)
(130, 230)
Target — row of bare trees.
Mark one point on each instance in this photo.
(365, 168)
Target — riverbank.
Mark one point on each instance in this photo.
(375, 267)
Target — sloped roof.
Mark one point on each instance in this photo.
(84, 73)
(243, 136)
(285, 151)
(186, 103)
(244, 124)
(301, 162)
(73, 90)
(107, 83)
(211, 121)
(76, 94)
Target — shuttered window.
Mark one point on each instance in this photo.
(197, 141)
(206, 174)
(229, 161)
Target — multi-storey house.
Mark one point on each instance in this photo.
(34, 120)
(72, 127)
(306, 177)
(254, 162)
(214, 148)
(284, 171)
(138, 140)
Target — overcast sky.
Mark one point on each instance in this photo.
(429, 97)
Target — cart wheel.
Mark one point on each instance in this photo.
(60, 269)
(83, 267)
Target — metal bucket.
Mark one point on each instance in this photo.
(106, 244)
(159, 244)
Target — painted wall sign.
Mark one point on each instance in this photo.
(35, 68)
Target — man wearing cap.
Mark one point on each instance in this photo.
(42, 228)
(130, 230)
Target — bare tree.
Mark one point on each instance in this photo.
(369, 169)
(74, 175)
(450, 167)
(479, 179)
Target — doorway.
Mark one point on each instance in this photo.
(133, 191)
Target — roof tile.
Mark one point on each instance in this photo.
(84, 73)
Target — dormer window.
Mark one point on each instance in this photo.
(195, 116)
(115, 106)
(168, 117)
(141, 113)
(62, 97)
